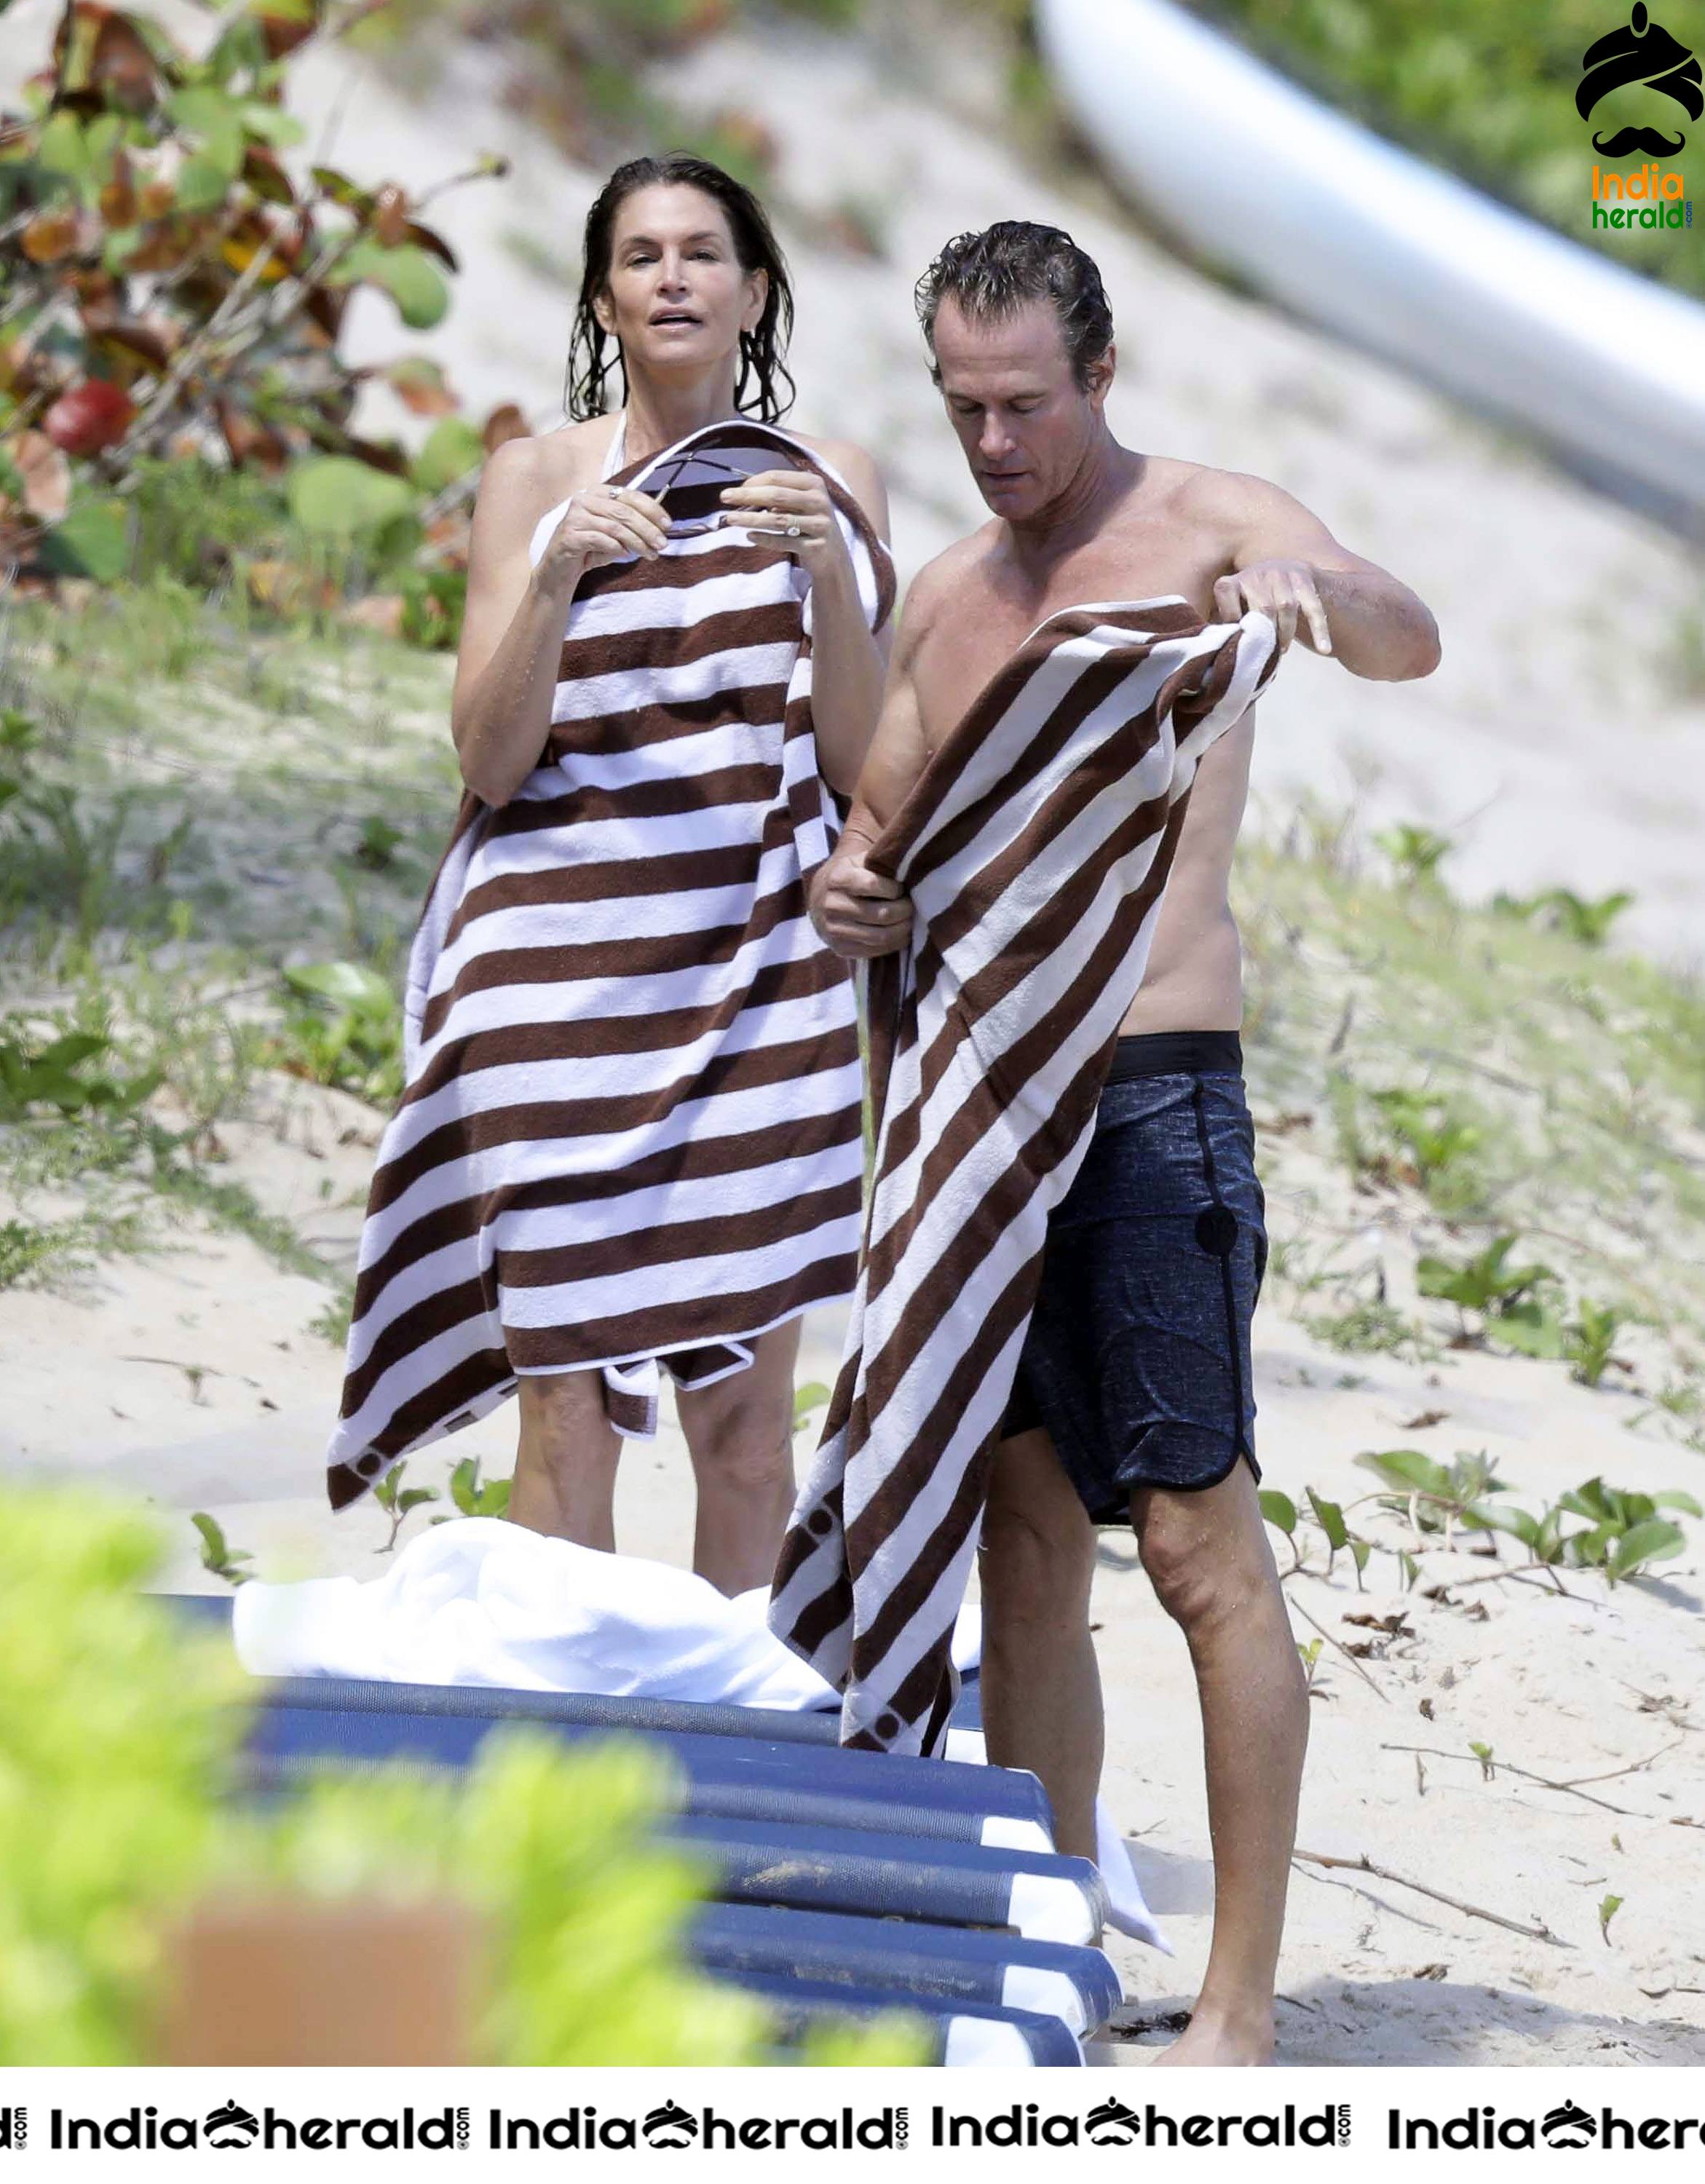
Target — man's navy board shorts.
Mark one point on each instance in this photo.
(1137, 1358)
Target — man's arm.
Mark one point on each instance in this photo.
(859, 912)
(1282, 560)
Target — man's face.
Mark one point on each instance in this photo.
(1021, 418)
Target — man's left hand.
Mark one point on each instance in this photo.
(1289, 590)
(774, 501)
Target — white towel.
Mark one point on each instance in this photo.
(480, 1601)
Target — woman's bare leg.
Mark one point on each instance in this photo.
(565, 1471)
(740, 1436)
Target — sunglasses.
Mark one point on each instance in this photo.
(691, 527)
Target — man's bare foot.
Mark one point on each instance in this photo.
(1240, 2042)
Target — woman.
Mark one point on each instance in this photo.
(631, 1130)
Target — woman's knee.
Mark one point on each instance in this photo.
(564, 1422)
(745, 1442)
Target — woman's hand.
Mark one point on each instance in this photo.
(602, 523)
(794, 505)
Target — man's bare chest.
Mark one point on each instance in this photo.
(985, 623)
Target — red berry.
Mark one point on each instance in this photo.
(89, 417)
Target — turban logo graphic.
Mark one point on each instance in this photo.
(1640, 52)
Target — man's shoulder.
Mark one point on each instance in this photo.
(1205, 493)
(945, 577)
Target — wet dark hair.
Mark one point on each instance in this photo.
(993, 274)
(755, 246)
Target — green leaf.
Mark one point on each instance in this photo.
(337, 497)
(1278, 1510)
(216, 118)
(201, 185)
(451, 449)
(355, 986)
(1529, 1329)
(212, 1538)
(806, 1400)
(92, 540)
(1672, 1498)
(408, 275)
(1607, 1909)
(1330, 1518)
(1407, 1470)
(1655, 1540)
(1495, 1517)
(271, 124)
(63, 148)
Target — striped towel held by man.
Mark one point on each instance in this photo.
(1034, 848)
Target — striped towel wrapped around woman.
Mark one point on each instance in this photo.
(631, 1125)
(1034, 846)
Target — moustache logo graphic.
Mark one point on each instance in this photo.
(1625, 141)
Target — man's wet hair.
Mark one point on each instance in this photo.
(994, 274)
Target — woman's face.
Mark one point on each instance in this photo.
(677, 298)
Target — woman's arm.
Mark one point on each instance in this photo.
(506, 667)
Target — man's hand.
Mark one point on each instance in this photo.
(858, 911)
(1286, 590)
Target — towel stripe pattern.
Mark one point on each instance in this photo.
(1034, 847)
(631, 1125)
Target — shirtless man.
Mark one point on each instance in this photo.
(1133, 1397)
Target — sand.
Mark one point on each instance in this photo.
(193, 1380)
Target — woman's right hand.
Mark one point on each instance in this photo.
(602, 523)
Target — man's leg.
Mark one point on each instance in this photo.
(1208, 1557)
(565, 1470)
(740, 1435)
(1041, 1692)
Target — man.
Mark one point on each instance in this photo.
(1131, 1398)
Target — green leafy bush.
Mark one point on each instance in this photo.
(345, 1029)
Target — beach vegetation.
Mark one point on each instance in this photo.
(474, 1497)
(398, 1501)
(343, 1027)
(217, 1555)
(1585, 918)
(1414, 853)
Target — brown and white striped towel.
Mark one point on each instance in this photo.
(1034, 847)
(631, 1125)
